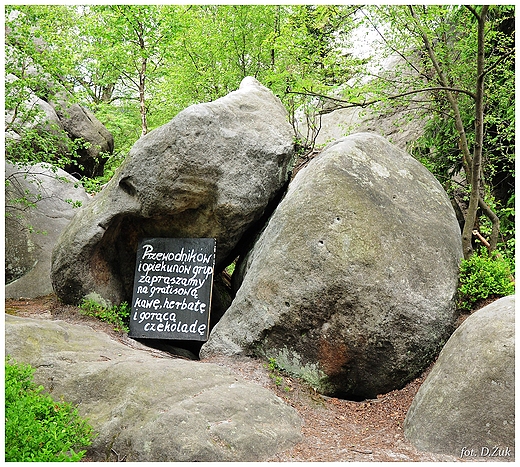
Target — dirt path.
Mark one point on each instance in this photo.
(333, 429)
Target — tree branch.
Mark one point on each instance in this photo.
(473, 11)
(393, 48)
(501, 59)
(366, 103)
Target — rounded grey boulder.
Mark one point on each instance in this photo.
(352, 282)
(81, 124)
(466, 405)
(32, 227)
(210, 172)
(148, 407)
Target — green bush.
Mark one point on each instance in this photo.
(38, 429)
(484, 275)
(290, 362)
(116, 315)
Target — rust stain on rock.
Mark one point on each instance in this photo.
(100, 268)
(333, 356)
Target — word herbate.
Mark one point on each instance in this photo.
(172, 288)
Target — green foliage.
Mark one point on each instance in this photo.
(275, 373)
(506, 214)
(118, 315)
(94, 185)
(36, 145)
(74, 203)
(129, 62)
(290, 362)
(309, 60)
(484, 275)
(231, 268)
(449, 69)
(34, 75)
(38, 429)
(508, 228)
(121, 118)
(126, 62)
(215, 47)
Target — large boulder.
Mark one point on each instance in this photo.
(466, 405)
(209, 172)
(353, 280)
(40, 202)
(147, 407)
(67, 124)
(82, 125)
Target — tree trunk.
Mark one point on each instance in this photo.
(471, 215)
(276, 34)
(142, 101)
(463, 140)
(472, 164)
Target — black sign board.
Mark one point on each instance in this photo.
(172, 288)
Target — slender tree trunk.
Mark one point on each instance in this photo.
(463, 140)
(276, 34)
(137, 25)
(471, 215)
(139, 29)
(142, 101)
(472, 163)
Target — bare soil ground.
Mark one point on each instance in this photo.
(333, 429)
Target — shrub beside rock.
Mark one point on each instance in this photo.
(147, 407)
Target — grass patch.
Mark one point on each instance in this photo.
(290, 362)
(118, 315)
(38, 429)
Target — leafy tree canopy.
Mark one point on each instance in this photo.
(137, 66)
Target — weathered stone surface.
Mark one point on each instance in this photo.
(209, 172)
(396, 124)
(353, 279)
(31, 232)
(81, 124)
(466, 405)
(148, 407)
(45, 120)
(63, 121)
